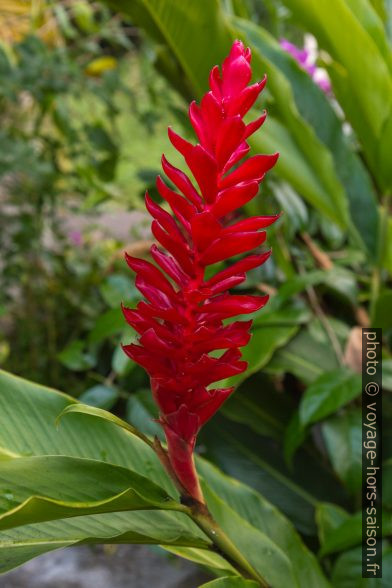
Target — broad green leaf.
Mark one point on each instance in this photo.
(56, 487)
(230, 582)
(305, 357)
(245, 515)
(35, 409)
(367, 106)
(262, 553)
(27, 415)
(155, 527)
(317, 112)
(330, 391)
(258, 461)
(373, 24)
(269, 57)
(5, 455)
(343, 439)
(380, 6)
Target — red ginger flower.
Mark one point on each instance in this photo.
(183, 318)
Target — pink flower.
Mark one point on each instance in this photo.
(183, 318)
(307, 61)
(76, 238)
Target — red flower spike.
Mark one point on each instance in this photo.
(182, 321)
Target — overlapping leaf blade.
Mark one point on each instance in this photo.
(27, 416)
(56, 487)
(307, 112)
(154, 527)
(362, 86)
(224, 496)
(259, 461)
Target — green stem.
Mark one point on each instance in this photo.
(223, 544)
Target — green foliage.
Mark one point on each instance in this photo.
(86, 449)
(344, 29)
(288, 441)
(50, 159)
(230, 582)
(327, 394)
(47, 488)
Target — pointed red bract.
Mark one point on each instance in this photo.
(183, 320)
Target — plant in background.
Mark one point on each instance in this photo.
(184, 318)
(46, 167)
(292, 431)
(58, 154)
(306, 58)
(63, 161)
(332, 263)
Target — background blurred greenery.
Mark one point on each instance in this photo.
(86, 91)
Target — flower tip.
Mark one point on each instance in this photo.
(238, 45)
(132, 262)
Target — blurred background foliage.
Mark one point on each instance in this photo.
(86, 92)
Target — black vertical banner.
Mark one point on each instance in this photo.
(371, 453)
